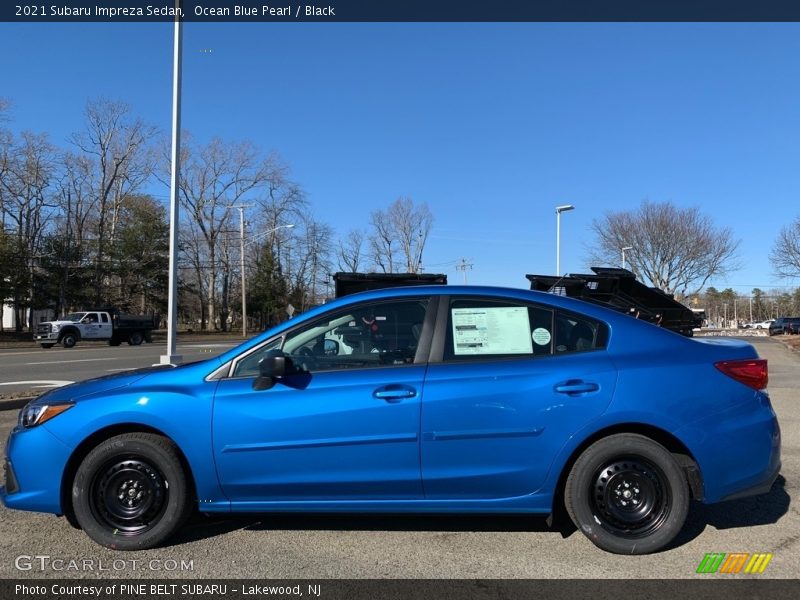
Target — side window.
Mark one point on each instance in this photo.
(248, 366)
(362, 336)
(104, 317)
(480, 328)
(574, 333)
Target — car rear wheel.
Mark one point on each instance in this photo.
(627, 494)
(131, 492)
(135, 338)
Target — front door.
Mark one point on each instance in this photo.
(345, 426)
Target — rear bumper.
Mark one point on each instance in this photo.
(738, 450)
(760, 488)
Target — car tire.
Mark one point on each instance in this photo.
(136, 338)
(627, 494)
(47, 345)
(69, 340)
(131, 492)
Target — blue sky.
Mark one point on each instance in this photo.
(491, 124)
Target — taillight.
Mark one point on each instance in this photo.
(751, 372)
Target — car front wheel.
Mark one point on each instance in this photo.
(627, 494)
(131, 492)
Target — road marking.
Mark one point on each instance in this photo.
(61, 362)
(41, 383)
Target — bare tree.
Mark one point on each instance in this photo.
(215, 178)
(27, 207)
(399, 235)
(675, 249)
(349, 252)
(117, 143)
(785, 255)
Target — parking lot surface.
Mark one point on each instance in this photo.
(377, 546)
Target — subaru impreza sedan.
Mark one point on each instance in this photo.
(441, 399)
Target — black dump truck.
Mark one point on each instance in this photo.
(352, 283)
(619, 289)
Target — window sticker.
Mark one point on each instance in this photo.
(495, 330)
(540, 336)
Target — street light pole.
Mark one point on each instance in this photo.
(623, 254)
(241, 265)
(559, 210)
(171, 357)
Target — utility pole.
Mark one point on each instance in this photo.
(463, 266)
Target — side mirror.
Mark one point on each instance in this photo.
(272, 367)
(331, 348)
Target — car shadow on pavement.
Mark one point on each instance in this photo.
(747, 512)
(766, 509)
(202, 527)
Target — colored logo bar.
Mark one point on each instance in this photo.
(734, 562)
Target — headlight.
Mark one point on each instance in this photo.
(36, 414)
(55, 328)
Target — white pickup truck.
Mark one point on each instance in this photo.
(108, 325)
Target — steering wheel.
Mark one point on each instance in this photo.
(307, 358)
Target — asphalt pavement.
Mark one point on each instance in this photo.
(29, 370)
(394, 546)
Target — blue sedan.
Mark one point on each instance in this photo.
(438, 399)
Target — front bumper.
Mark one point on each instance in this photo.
(46, 337)
(35, 463)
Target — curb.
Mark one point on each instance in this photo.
(15, 403)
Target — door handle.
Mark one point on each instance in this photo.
(576, 386)
(394, 393)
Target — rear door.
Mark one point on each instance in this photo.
(507, 385)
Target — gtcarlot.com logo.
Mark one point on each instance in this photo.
(45, 562)
(734, 562)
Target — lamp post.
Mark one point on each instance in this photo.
(172, 357)
(559, 210)
(242, 244)
(623, 254)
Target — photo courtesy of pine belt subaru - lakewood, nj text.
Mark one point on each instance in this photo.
(429, 399)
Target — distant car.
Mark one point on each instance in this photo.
(763, 324)
(783, 325)
(434, 399)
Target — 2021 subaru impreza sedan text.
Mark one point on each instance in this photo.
(425, 399)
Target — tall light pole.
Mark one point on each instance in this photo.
(171, 357)
(559, 210)
(242, 244)
(623, 254)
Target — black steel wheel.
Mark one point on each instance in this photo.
(131, 492)
(128, 495)
(627, 494)
(136, 338)
(632, 496)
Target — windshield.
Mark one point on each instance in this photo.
(74, 317)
